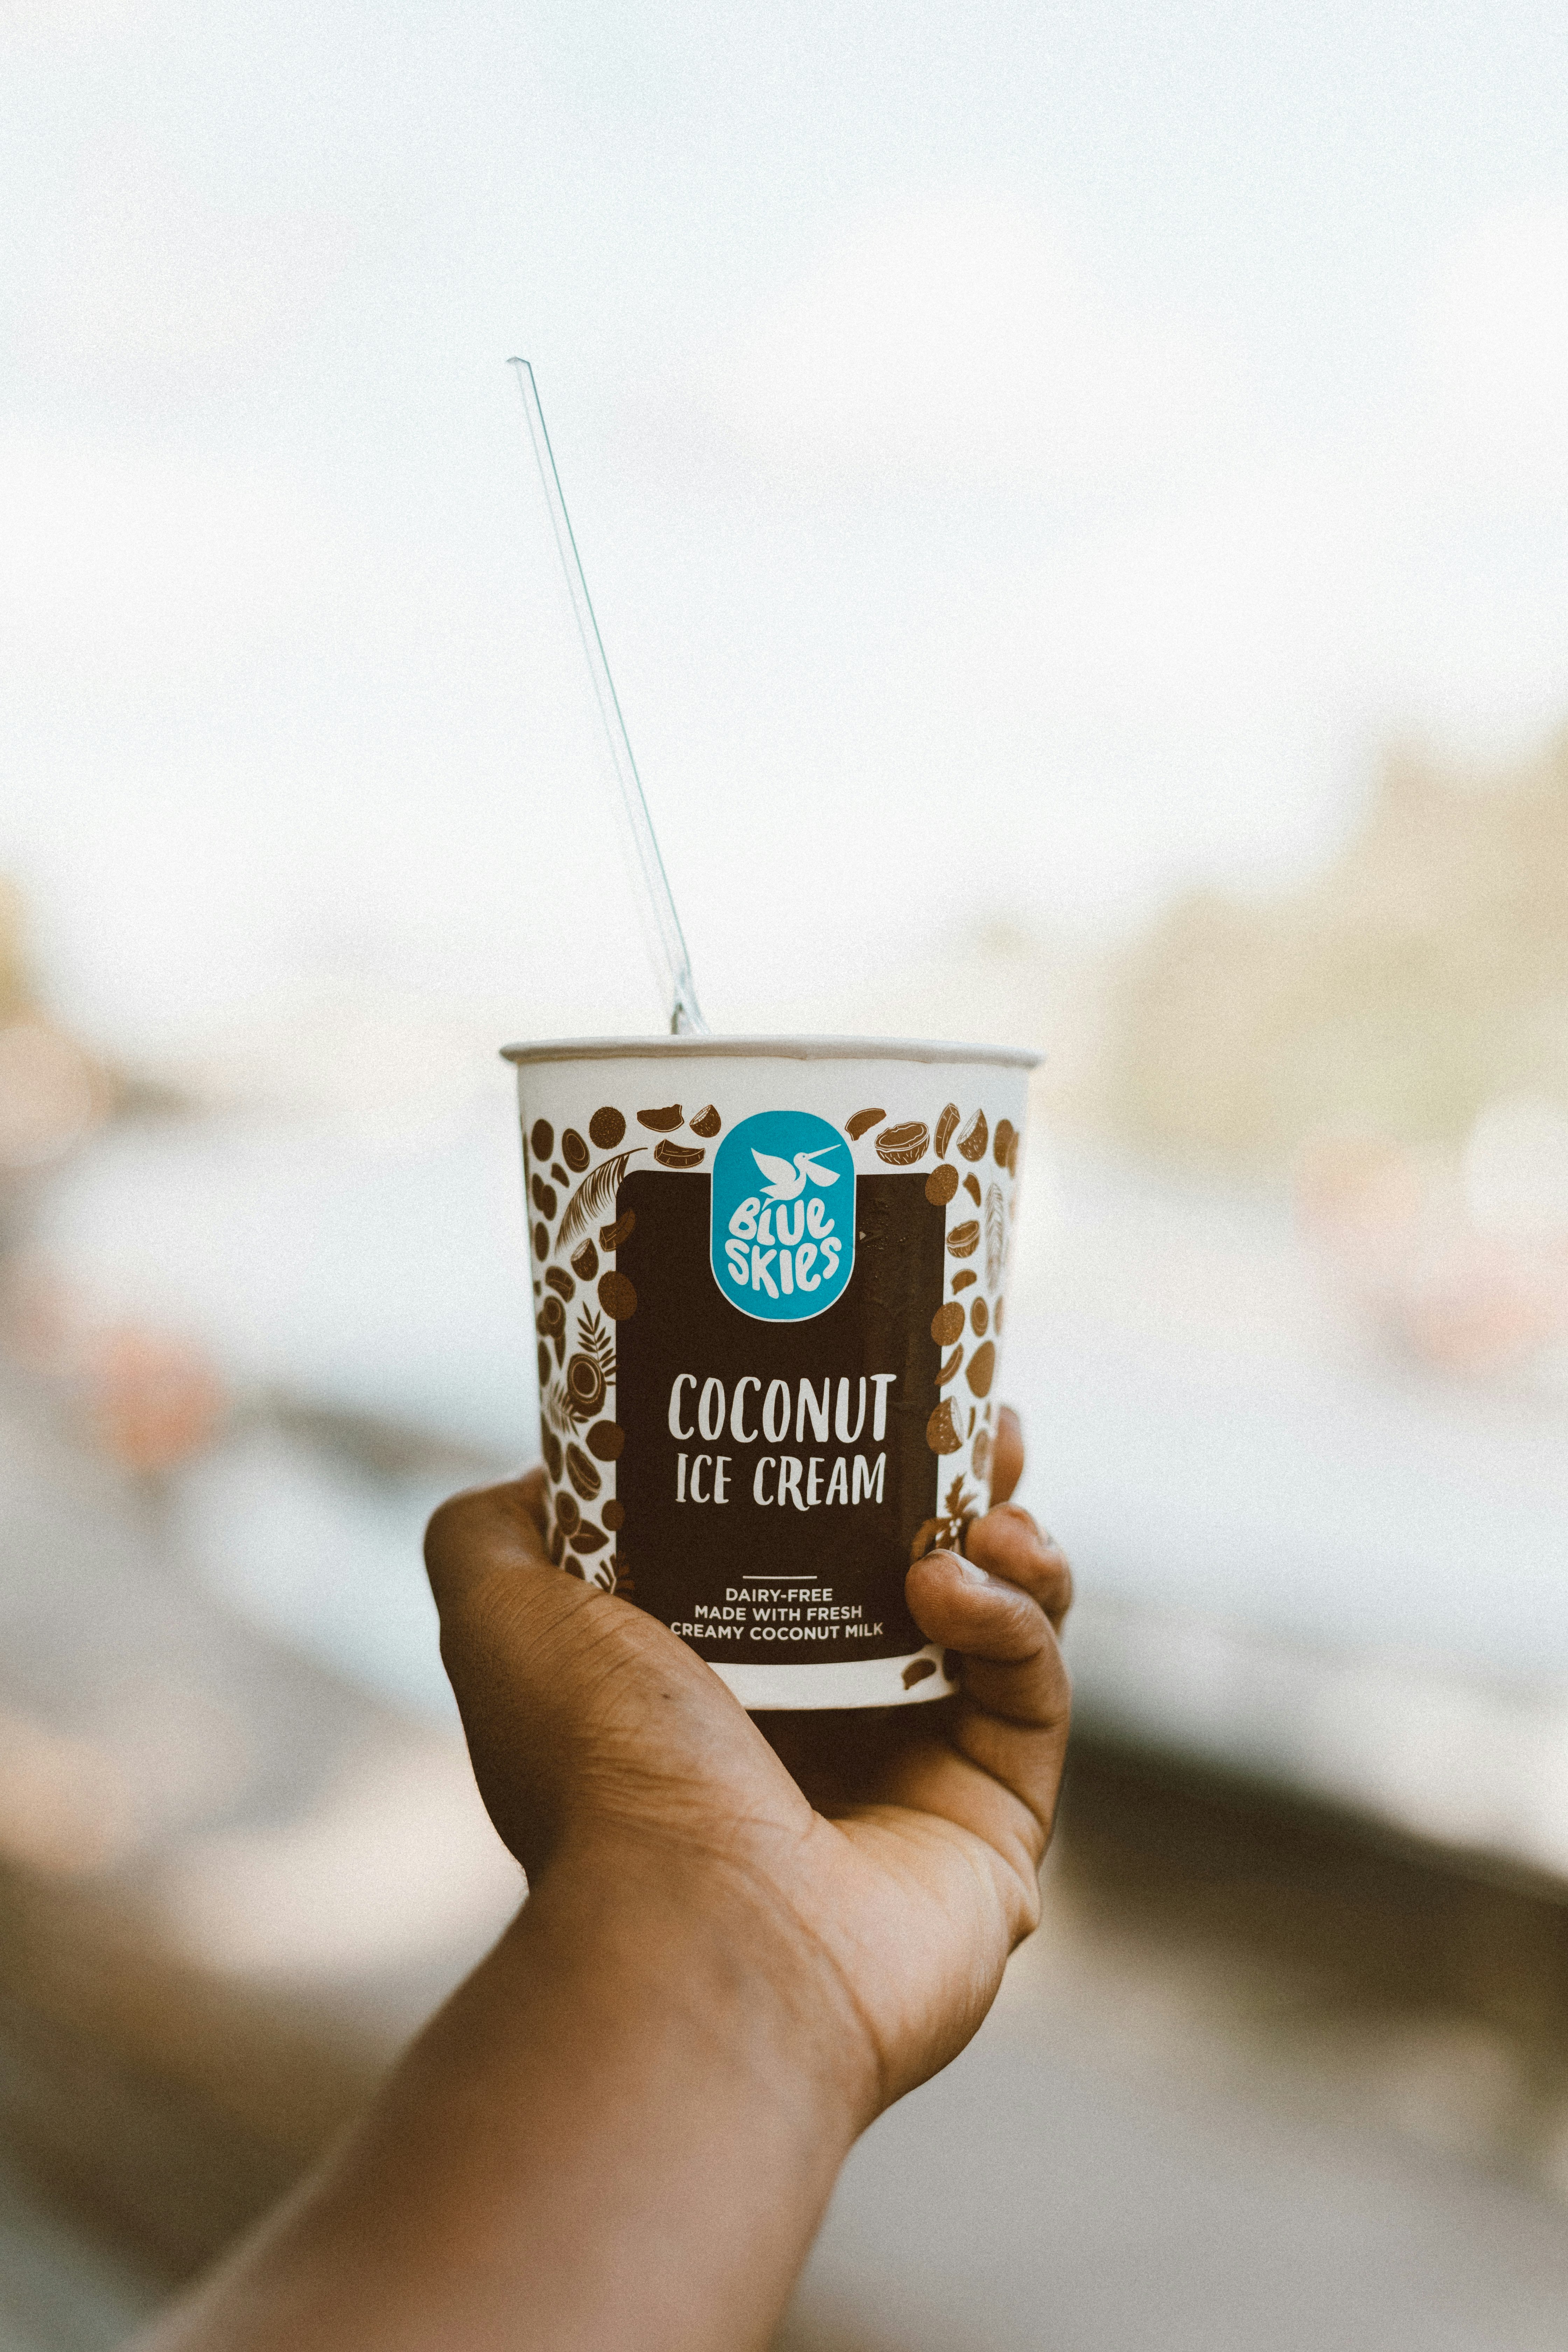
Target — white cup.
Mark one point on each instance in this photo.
(769, 1278)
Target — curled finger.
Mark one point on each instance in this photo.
(1008, 1544)
(1012, 1721)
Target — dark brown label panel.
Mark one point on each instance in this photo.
(774, 1475)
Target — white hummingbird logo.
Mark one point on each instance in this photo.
(787, 1183)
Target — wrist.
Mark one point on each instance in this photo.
(623, 2129)
(696, 1945)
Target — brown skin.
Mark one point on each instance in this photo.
(743, 1939)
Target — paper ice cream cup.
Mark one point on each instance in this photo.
(769, 1286)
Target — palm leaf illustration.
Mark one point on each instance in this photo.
(594, 1195)
(595, 1341)
(960, 1505)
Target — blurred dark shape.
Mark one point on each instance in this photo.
(1329, 1929)
(1421, 977)
(62, 2288)
(376, 1442)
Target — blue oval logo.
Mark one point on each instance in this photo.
(784, 1215)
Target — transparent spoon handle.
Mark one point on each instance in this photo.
(685, 1015)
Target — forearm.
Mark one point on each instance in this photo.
(621, 2131)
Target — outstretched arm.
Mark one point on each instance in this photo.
(622, 2130)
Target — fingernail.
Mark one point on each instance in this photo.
(974, 1573)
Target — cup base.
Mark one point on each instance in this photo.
(853, 1682)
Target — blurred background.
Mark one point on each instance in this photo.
(1078, 505)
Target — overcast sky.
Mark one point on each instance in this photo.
(1027, 459)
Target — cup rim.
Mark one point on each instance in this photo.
(775, 1048)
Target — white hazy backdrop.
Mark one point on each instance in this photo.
(1026, 461)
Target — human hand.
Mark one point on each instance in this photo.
(620, 2132)
(880, 1866)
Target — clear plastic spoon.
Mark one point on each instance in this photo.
(686, 1017)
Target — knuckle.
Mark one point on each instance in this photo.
(462, 1527)
(449, 1527)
